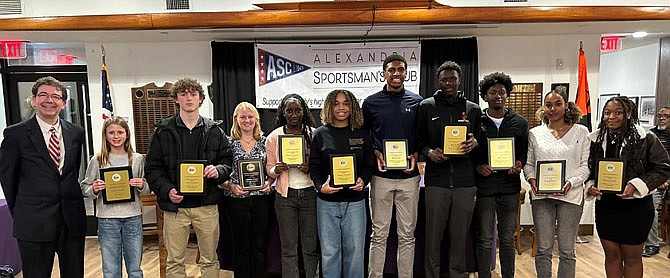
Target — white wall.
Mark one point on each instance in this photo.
(630, 72)
(533, 59)
(137, 64)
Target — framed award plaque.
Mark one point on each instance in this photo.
(251, 174)
(292, 149)
(452, 137)
(117, 185)
(550, 176)
(501, 153)
(191, 177)
(610, 175)
(395, 154)
(342, 170)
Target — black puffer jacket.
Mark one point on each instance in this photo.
(164, 154)
(501, 182)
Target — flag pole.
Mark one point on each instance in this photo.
(104, 54)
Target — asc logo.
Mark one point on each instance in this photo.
(273, 67)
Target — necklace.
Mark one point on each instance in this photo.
(248, 143)
(613, 137)
(557, 132)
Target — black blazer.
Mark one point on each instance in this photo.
(39, 197)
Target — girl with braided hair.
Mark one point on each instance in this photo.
(623, 220)
(295, 200)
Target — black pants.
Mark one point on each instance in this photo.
(248, 218)
(38, 257)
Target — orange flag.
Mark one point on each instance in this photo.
(583, 100)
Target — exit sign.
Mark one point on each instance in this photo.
(610, 44)
(13, 49)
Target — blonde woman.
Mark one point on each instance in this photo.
(248, 212)
(119, 224)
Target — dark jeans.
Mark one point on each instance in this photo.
(452, 206)
(248, 218)
(505, 207)
(296, 216)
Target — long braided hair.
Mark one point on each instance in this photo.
(628, 132)
(307, 119)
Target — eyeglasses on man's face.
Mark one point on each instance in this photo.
(44, 96)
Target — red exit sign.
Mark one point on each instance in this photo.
(13, 50)
(610, 44)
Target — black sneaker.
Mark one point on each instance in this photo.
(650, 251)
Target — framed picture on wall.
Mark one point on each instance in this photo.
(646, 110)
(602, 99)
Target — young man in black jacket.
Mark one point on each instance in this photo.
(449, 180)
(498, 190)
(188, 136)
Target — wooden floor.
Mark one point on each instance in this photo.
(589, 261)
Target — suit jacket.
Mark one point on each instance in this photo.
(40, 198)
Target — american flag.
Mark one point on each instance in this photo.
(107, 108)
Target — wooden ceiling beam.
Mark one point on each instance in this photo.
(321, 17)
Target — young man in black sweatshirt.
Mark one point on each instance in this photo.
(449, 180)
(498, 190)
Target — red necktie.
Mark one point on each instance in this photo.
(54, 147)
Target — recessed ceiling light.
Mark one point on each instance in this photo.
(640, 34)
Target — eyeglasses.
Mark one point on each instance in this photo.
(44, 96)
(663, 116)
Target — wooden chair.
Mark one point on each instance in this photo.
(156, 229)
(519, 229)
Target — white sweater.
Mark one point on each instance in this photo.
(117, 210)
(573, 148)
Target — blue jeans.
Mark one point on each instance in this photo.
(342, 237)
(121, 238)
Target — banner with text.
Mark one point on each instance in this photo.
(314, 70)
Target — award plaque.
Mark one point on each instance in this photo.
(117, 185)
(191, 177)
(453, 136)
(292, 150)
(251, 174)
(395, 154)
(501, 153)
(342, 170)
(610, 175)
(550, 176)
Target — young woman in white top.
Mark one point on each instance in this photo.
(119, 224)
(559, 138)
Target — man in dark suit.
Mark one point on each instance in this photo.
(39, 168)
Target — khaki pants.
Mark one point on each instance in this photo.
(404, 194)
(205, 221)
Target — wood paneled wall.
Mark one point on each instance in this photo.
(334, 13)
